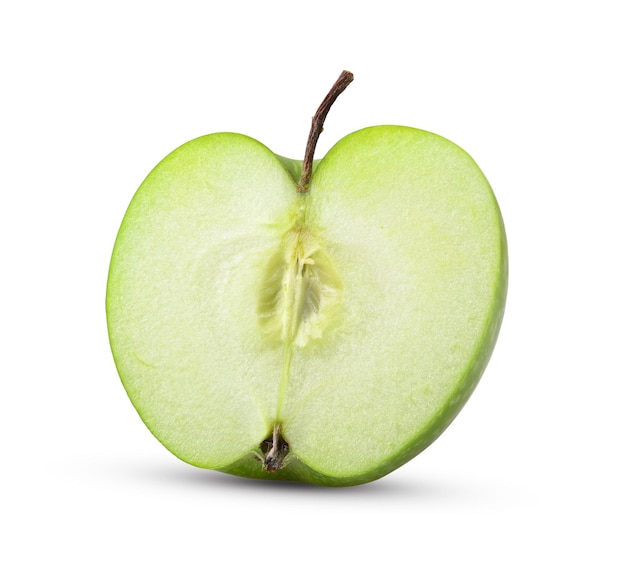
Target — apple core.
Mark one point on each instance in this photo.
(301, 290)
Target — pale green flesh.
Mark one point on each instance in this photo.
(358, 316)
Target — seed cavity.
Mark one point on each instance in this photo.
(300, 291)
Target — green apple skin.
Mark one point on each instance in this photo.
(161, 360)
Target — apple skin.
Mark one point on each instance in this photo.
(300, 469)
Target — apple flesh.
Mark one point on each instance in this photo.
(346, 326)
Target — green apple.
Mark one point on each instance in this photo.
(327, 336)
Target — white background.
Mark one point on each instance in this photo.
(529, 478)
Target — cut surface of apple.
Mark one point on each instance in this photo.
(356, 318)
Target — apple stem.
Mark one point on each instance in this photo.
(317, 127)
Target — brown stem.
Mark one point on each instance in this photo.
(317, 126)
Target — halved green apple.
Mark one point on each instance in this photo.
(326, 336)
